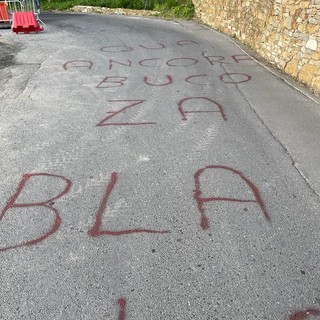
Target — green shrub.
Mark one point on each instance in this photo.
(176, 8)
(169, 8)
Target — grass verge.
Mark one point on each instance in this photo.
(183, 9)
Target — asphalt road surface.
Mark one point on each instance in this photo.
(153, 170)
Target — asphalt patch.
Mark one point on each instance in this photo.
(7, 55)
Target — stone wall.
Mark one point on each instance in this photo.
(285, 32)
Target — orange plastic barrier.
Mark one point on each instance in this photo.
(25, 22)
(4, 15)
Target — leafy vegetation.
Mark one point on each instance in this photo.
(168, 8)
(176, 8)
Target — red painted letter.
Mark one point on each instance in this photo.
(186, 42)
(78, 64)
(12, 204)
(112, 82)
(235, 77)
(96, 231)
(197, 76)
(241, 57)
(122, 308)
(169, 78)
(181, 62)
(161, 46)
(111, 62)
(201, 201)
(142, 62)
(302, 315)
(116, 49)
(114, 113)
(184, 112)
(215, 59)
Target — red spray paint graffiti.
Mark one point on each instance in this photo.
(241, 57)
(12, 203)
(201, 201)
(144, 64)
(235, 77)
(122, 308)
(158, 46)
(188, 79)
(116, 49)
(302, 315)
(215, 59)
(96, 231)
(112, 82)
(182, 62)
(182, 43)
(78, 64)
(133, 103)
(161, 46)
(128, 63)
(169, 81)
(215, 104)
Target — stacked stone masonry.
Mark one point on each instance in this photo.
(285, 32)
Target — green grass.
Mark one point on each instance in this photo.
(169, 8)
(176, 8)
